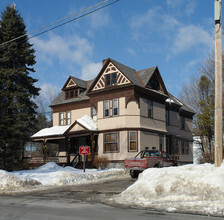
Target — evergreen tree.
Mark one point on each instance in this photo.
(17, 109)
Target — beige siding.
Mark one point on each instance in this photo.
(175, 129)
(122, 149)
(75, 114)
(56, 119)
(132, 108)
(149, 139)
(157, 122)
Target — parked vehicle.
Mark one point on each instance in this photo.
(148, 159)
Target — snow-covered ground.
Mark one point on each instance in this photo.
(52, 175)
(195, 189)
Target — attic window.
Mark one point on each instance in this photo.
(111, 79)
(154, 83)
(71, 94)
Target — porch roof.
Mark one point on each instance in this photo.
(60, 131)
(52, 131)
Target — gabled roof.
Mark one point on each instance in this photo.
(61, 131)
(128, 72)
(146, 74)
(173, 100)
(78, 82)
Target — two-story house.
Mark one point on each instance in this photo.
(119, 113)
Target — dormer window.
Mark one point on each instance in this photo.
(154, 83)
(111, 79)
(72, 93)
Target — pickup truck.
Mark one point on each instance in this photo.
(148, 159)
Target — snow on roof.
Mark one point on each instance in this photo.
(88, 123)
(55, 130)
(169, 100)
(85, 121)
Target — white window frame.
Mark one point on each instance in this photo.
(116, 142)
(93, 113)
(115, 106)
(129, 141)
(106, 108)
(68, 117)
(61, 118)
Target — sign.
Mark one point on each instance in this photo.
(84, 150)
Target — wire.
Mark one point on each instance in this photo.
(74, 19)
(61, 20)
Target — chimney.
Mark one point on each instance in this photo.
(104, 61)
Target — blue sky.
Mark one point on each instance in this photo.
(175, 35)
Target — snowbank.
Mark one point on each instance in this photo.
(50, 175)
(190, 189)
(12, 182)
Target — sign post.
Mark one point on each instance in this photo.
(84, 150)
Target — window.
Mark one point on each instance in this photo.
(71, 94)
(176, 150)
(150, 108)
(115, 107)
(93, 113)
(132, 141)
(182, 123)
(154, 83)
(184, 147)
(108, 80)
(68, 118)
(111, 79)
(106, 108)
(114, 78)
(111, 142)
(161, 142)
(167, 117)
(61, 118)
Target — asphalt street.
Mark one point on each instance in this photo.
(80, 202)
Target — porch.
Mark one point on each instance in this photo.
(68, 139)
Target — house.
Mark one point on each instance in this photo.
(118, 114)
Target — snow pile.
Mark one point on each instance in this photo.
(190, 189)
(50, 175)
(12, 182)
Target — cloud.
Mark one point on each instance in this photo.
(99, 19)
(154, 20)
(189, 37)
(174, 3)
(190, 8)
(131, 51)
(90, 70)
(74, 48)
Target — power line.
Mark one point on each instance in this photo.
(74, 19)
(62, 20)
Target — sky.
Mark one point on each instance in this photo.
(175, 35)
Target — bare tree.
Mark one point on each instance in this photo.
(199, 95)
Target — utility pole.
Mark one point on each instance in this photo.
(218, 84)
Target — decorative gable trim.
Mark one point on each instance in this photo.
(121, 79)
(71, 83)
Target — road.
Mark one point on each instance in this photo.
(82, 202)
